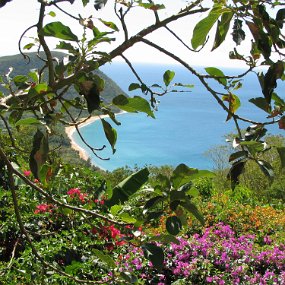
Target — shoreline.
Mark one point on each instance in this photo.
(71, 130)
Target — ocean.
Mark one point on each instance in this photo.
(185, 127)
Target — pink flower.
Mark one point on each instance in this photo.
(75, 192)
(27, 173)
(43, 208)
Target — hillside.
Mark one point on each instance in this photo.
(22, 67)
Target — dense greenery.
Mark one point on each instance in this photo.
(59, 141)
(67, 224)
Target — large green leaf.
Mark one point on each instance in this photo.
(134, 105)
(110, 133)
(127, 187)
(154, 254)
(60, 31)
(261, 103)
(165, 238)
(173, 225)
(153, 201)
(266, 168)
(217, 75)
(235, 171)
(168, 77)
(104, 258)
(28, 121)
(181, 175)
(222, 28)
(237, 155)
(190, 207)
(203, 28)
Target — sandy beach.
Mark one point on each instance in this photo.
(70, 131)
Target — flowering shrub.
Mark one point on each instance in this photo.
(43, 208)
(217, 256)
(244, 218)
(76, 193)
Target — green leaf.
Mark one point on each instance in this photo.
(52, 14)
(173, 225)
(43, 173)
(104, 258)
(234, 104)
(202, 173)
(110, 25)
(39, 153)
(237, 155)
(152, 6)
(277, 100)
(134, 86)
(222, 29)
(217, 74)
(178, 195)
(168, 77)
(154, 215)
(190, 207)
(34, 75)
(253, 146)
(203, 28)
(125, 217)
(154, 254)
(20, 80)
(281, 152)
(280, 16)
(127, 187)
(58, 30)
(261, 103)
(184, 85)
(91, 92)
(29, 46)
(66, 46)
(85, 2)
(266, 168)
(115, 209)
(274, 72)
(110, 133)
(181, 175)
(153, 201)
(27, 121)
(134, 105)
(235, 171)
(165, 238)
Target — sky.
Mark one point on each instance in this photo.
(18, 15)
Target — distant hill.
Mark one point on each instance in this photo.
(22, 66)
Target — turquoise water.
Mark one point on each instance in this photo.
(185, 127)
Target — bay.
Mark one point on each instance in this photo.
(186, 124)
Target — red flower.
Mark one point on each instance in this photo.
(27, 173)
(75, 192)
(43, 208)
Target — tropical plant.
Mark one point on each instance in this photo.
(41, 101)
